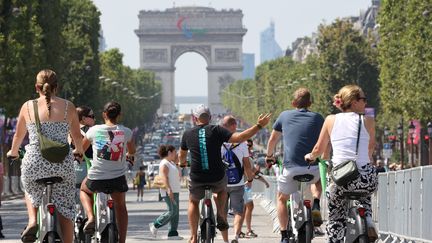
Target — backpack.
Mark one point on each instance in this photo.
(234, 170)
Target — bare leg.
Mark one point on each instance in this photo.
(67, 229)
(220, 200)
(248, 215)
(316, 189)
(193, 215)
(121, 214)
(32, 212)
(86, 197)
(282, 211)
(238, 221)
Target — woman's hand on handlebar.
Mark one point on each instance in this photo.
(12, 156)
(78, 156)
(309, 158)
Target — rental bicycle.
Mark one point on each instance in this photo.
(207, 222)
(300, 212)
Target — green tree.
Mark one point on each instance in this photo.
(347, 57)
(405, 59)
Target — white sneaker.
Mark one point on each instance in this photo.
(175, 238)
(153, 230)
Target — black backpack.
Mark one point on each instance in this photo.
(234, 170)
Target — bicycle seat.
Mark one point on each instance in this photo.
(303, 178)
(354, 195)
(49, 180)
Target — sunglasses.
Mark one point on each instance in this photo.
(250, 145)
(362, 98)
(91, 116)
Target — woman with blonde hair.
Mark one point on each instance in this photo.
(342, 131)
(58, 118)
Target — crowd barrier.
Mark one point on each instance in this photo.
(402, 205)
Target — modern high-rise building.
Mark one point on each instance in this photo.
(248, 65)
(102, 43)
(269, 48)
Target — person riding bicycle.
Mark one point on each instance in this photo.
(342, 131)
(235, 187)
(58, 118)
(299, 129)
(110, 142)
(207, 169)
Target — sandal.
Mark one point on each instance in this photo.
(89, 227)
(29, 234)
(242, 235)
(251, 234)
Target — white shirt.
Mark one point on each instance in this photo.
(344, 138)
(173, 176)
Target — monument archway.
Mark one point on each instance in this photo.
(217, 35)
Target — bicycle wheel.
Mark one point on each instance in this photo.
(112, 234)
(209, 232)
(305, 233)
(363, 239)
(51, 238)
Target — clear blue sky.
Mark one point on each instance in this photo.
(292, 19)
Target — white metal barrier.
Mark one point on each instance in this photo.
(402, 205)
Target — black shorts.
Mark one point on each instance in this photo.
(118, 184)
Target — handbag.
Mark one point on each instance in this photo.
(51, 150)
(158, 182)
(347, 171)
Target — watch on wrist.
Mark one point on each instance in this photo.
(259, 126)
(250, 180)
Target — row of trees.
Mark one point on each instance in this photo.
(63, 35)
(344, 57)
(394, 69)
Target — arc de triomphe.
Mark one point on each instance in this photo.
(217, 35)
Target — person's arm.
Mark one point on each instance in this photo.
(182, 157)
(274, 138)
(323, 140)
(20, 132)
(239, 137)
(75, 130)
(370, 127)
(248, 169)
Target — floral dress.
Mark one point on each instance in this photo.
(35, 167)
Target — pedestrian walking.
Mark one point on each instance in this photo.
(140, 182)
(170, 174)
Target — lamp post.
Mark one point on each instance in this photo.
(401, 141)
(429, 130)
(411, 131)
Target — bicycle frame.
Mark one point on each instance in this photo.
(49, 227)
(105, 215)
(207, 219)
(300, 220)
(356, 227)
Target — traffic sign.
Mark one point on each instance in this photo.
(387, 153)
(387, 146)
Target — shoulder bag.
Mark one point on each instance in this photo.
(51, 150)
(347, 171)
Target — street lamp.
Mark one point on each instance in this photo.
(429, 130)
(401, 139)
(411, 131)
(358, 70)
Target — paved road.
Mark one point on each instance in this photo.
(140, 215)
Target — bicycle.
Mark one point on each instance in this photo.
(48, 227)
(207, 222)
(80, 217)
(300, 212)
(48, 230)
(356, 228)
(105, 227)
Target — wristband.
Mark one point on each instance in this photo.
(271, 155)
(250, 180)
(259, 126)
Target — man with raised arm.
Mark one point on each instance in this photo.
(204, 142)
